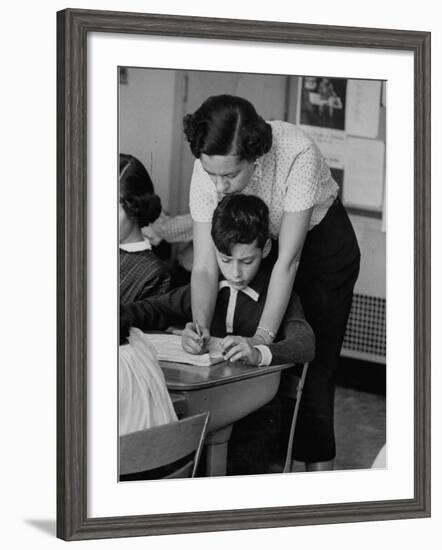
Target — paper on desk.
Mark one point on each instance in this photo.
(168, 348)
(362, 108)
(364, 173)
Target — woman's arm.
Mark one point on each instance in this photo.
(204, 281)
(291, 239)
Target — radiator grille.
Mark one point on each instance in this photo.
(365, 332)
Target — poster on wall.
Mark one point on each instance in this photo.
(337, 113)
(322, 102)
(321, 114)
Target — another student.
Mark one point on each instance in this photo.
(173, 236)
(240, 230)
(142, 274)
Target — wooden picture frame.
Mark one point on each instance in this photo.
(73, 27)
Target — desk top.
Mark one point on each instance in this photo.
(190, 377)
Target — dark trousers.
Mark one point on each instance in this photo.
(325, 280)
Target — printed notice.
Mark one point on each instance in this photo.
(331, 143)
(364, 173)
(362, 108)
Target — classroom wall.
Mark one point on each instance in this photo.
(372, 240)
(151, 107)
(372, 243)
(369, 230)
(146, 123)
(28, 329)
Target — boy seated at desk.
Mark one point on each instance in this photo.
(240, 229)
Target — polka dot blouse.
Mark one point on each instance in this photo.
(293, 176)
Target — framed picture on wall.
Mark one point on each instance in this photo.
(315, 77)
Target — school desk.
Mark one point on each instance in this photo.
(229, 391)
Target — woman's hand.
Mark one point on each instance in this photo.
(237, 348)
(192, 342)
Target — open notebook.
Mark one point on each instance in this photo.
(168, 347)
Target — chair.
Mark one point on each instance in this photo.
(162, 446)
(293, 386)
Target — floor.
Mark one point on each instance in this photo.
(360, 416)
(359, 428)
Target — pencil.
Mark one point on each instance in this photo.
(199, 331)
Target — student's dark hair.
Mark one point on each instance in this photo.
(240, 219)
(137, 195)
(227, 124)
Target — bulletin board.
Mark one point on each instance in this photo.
(346, 118)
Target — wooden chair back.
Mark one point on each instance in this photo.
(163, 445)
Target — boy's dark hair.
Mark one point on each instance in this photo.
(227, 124)
(137, 195)
(240, 219)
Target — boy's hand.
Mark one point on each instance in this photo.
(236, 348)
(192, 342)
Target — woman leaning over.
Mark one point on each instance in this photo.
(237, 151)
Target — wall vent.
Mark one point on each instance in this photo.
(365, 337)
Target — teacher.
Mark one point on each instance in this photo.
(237, 151)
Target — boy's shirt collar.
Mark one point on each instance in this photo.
(246, 290)
(256, 289)
(259, 283)
(138, 246)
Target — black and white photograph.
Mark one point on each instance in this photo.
(252, 274)
(323, 101)
(224, 219)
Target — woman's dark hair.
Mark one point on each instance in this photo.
(240, 219)
(227, 124)
(137, 195)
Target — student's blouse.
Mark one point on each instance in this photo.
(293, 176)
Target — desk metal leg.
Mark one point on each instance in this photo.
(216, 447)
